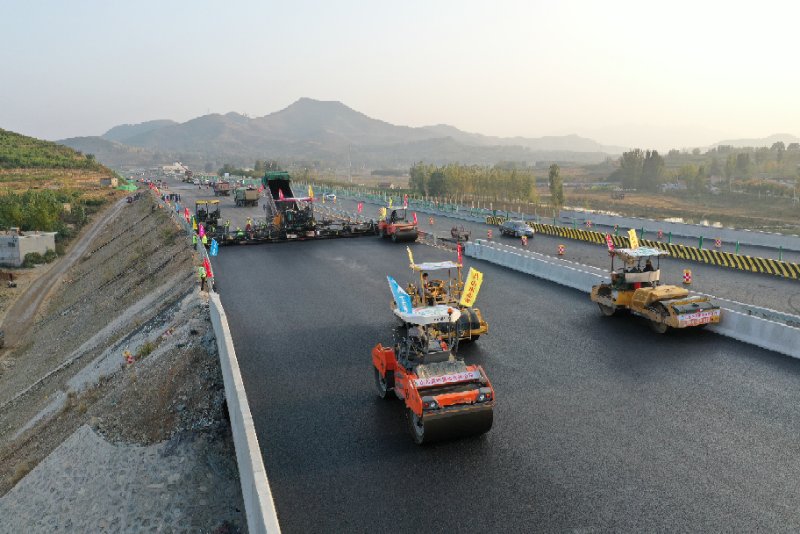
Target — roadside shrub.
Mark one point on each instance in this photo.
(145, 350)
(168, 236)
(32, 258)
(50, 255)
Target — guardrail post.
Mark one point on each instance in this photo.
(700, 243)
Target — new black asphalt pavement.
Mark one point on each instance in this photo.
(600, 423)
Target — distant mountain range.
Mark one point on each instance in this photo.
(326, 132)
(761, 141)
(330, 134)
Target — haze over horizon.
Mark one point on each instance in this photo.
(622, 73)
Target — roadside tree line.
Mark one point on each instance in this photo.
(474, 182)
(43, 211)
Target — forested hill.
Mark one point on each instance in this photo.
(22, 152)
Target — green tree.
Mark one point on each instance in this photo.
(418, 178)
(716, 168)
(730, 169)
(556, 186)
(630, 166)
(436, 184)
(743, 166)
(652, 171)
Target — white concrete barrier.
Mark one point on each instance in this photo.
(258, 504)
(759, 332)
(770, 335)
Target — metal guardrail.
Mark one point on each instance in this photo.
(743, 236)
(729, 260)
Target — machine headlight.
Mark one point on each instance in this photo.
(429, 403)
(484, 394)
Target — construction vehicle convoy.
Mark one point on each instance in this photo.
(448, 291)
(444, 397)
(394, 223)
(637, 288)
(289, 218)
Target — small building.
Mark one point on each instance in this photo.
(175, 168)
(386, 185)
(110, 182)
(14, 245)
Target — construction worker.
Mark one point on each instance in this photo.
(227, 225)
(201, 273)
(194, 240)
(249, 225)
(205, 240)
(239, 232)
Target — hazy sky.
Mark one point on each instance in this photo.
(662, 74)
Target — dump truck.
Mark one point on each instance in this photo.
(396, 225)
(293, 215)
(444, 397)
(637, 288)
(222, 189)
(246, 197)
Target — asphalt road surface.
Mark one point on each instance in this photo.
(600, 424)
(763, 290)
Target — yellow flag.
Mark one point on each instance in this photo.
(410, 257)
(471, 288)
(194, 224)
(382, 213)
(310, 191)
(390, 202)
(634, 240)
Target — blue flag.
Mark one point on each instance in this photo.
(401, 298)
(214, 249)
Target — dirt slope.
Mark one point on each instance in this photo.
(132, 287)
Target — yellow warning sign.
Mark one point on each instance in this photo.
(471, 287)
